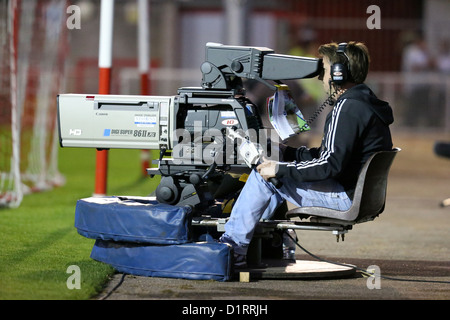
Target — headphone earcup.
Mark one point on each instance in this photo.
(338, 73)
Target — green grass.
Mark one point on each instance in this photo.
(38, 240)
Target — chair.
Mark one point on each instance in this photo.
(369, 198)
(368, 202)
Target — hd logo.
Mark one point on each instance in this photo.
(75, 132)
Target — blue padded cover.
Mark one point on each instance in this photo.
(194, 261)
(134, 219)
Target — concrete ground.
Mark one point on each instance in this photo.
(409, 241)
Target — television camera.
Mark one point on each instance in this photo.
(207, 136)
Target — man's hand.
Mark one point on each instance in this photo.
(267, 169)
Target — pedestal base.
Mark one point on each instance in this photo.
(300, 269)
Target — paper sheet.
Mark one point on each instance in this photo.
(285, 116)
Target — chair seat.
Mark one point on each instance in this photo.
(369, 198)
(307, 212)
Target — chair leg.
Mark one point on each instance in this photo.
(254, 252)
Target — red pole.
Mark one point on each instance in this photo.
(104, 87)
(101, 164)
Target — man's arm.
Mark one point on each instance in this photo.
(300, 154)
(339, 141)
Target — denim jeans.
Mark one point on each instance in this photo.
(259, 200)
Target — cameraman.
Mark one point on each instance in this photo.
(356, 127)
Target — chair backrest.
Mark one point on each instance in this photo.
(370, 193)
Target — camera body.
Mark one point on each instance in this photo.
(197, 155)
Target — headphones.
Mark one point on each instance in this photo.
(340, 72)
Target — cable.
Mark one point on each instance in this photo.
(370, 274)
(115, 288)
(330, 101)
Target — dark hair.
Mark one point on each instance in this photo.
(358, 55)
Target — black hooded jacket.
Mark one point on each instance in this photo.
(357, 126)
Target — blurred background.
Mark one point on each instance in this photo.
(410, 50)
(43, 52)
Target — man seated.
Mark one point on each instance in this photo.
(325, 176)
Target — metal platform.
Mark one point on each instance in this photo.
(277, 268)
(300, 270)
(267, 225)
